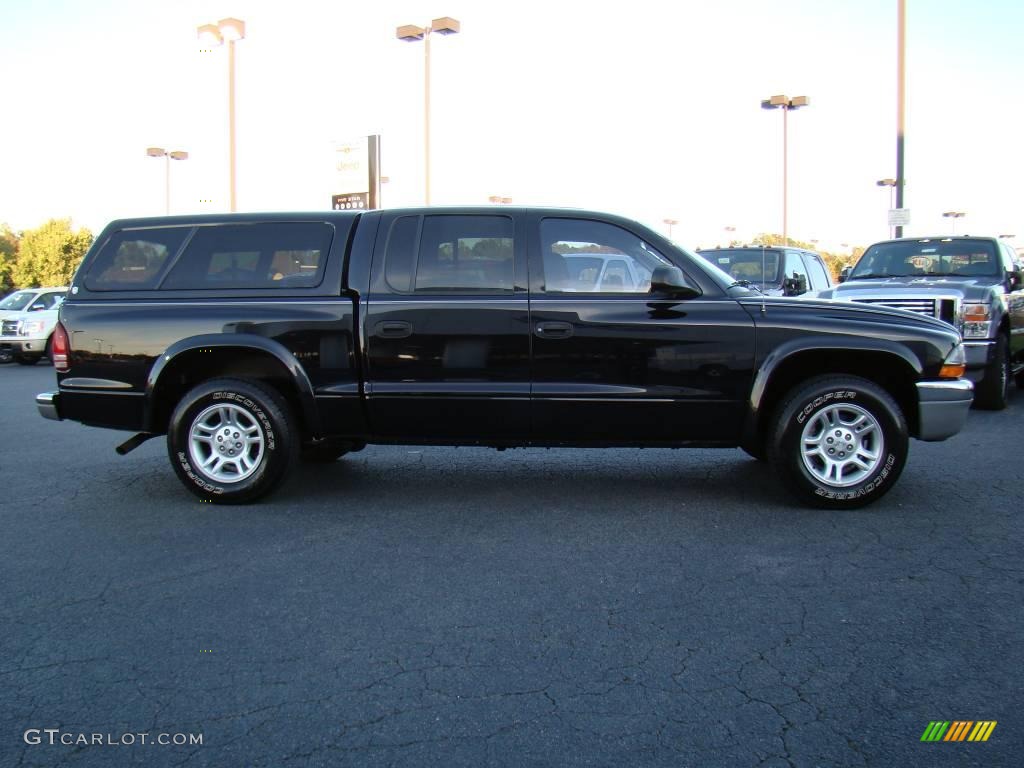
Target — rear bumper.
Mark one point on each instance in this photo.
(48, 405)
(942, 408)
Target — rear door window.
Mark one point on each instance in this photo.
(239, 256)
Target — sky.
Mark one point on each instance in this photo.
(647, 109)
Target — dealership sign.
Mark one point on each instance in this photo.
(357, 174)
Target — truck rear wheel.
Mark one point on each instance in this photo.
(993, 392)
(27, 359)
(232, 440)
(839, 442)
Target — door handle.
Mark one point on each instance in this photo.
(554, 330)
(393, 329)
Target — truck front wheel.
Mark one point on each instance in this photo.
(839, 442)
(231, 440)
(993, 391)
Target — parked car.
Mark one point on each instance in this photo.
(251, 340)
(975, 284)
(33, 331)
(17, 305)
(773, 270)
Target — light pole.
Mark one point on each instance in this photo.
(954, 215)
(785, 104)
(176, 154)
(445, 25)
(671, 223)
(214, 35)
(891, 184)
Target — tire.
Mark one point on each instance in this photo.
(46, 350)
(993, 391)
(234, 409)
(6, 356)
(27, 359)
(841, 403)
(326, 451)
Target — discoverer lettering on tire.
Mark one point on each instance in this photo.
(232, 440)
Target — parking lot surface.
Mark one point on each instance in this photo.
(463, 607)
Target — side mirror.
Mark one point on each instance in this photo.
(844, 273)
(1016, 278)
(671, 281)
(794, 286)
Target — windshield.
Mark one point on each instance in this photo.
(928, 258)
(746, 263)
(17, 301)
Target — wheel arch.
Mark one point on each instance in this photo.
(191, 361)
(890, 365)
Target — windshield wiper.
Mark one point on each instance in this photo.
(745, 284)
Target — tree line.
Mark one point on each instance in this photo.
(45, 256)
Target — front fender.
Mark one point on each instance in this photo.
(220, 341)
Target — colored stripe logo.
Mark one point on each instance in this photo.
(958, 730)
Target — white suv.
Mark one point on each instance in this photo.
(27, 318)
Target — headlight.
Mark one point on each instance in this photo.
(975, 320)
(955, 364)
(30, 327)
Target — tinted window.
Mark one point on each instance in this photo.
(464, 254)
(272, 255)
(399, 261)
(819, 277)
(134, 260)
(586, 256)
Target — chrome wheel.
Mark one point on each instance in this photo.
(226, 443)
(841, 445)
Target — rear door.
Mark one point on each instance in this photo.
(446, 328)
(614, 363)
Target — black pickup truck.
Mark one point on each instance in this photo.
(251, 341)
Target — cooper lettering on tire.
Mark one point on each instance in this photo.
(232, 440)
(838, 442)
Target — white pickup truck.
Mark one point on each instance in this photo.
(25, 334)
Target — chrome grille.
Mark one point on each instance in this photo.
(920, 306)
(9, 328)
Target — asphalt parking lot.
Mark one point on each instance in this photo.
(463, 607)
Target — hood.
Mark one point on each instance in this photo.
(848, 310)
(913, 284)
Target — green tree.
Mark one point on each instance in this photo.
(8, 254)
(50, 254)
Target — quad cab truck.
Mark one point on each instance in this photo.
(253, 341)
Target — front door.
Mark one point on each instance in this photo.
(614, 363)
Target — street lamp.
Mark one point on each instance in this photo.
(671, 223)
(176, 154)
(214, 35)
(954, 215)
(445, 25)
(785, 104)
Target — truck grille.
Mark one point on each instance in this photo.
(8, 328)
(943, 309)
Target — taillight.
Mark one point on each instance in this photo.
(59, 349)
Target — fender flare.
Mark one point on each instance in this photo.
(785, 351)
(211, 341)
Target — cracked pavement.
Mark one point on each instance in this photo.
(463, 607)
